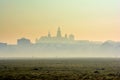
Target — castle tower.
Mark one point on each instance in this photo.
(49, 35)
(59, 33)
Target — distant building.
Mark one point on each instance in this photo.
(23, 41)
(71, 37)
(57, 39)
(59, 33)
(3, 44)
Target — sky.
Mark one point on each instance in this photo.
(94, 20)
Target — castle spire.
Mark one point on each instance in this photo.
(59, 33)
(49, 35)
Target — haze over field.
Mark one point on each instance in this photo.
(60, 46)
(94, 20)
(59, 39)
(89, 28)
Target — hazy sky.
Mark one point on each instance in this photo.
(96, 20)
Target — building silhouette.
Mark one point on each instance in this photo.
(56, 39)
(60, 45)
(3, 44)
(23, 41)
(59, 33)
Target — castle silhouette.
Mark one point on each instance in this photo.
(56, 39)
(60, 45)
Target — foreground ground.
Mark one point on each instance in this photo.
(60, 69)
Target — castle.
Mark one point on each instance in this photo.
(56, 39)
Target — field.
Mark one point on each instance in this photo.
(60, 69)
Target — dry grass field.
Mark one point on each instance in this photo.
(60, 69)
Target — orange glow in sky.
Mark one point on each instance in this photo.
(94, 20)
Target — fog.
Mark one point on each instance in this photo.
(62, 50)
